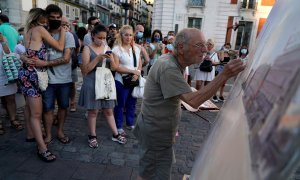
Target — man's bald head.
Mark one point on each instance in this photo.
(188, 34)
(139, 28)
(65, 23)
(189, 46)
(64, 19)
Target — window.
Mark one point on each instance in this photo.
(248, 4)
(67, 11)
(243, 34)
(195, 3)
(195, 23)
(76, 12)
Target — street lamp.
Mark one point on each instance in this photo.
(126, 6)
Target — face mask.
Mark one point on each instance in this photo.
(170, 47)
(54, 24)
(244, 51)
(156, 39)
(139, 35)
(21, 37)
(99, 42)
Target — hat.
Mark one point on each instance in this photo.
(112, 26)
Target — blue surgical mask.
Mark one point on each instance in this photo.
(170, 47)
(156, 39)
(244, 51)
(21, 37)
(139, 35)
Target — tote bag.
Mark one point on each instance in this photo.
(105, 87)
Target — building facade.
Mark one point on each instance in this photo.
(78, 11)
(235, 21)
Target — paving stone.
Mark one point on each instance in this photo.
(89, 171)
(70, 149)
(117, 161)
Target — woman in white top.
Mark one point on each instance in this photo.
(124, 51)
(206, 77)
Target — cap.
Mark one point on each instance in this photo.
(112, 26)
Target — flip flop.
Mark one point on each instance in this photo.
(64, 140)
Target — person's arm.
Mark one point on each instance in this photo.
(58, 45)
(4, 44)
(123, 70)
(195, 99)
(145, 56)
(87, 65)
(63, 60)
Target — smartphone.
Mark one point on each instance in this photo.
(108, 52)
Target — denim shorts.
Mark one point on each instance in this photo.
(59, 92)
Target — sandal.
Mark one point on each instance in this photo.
(119, 138)
(16, 125)
(46, 156)
(2, 131)
(93, 143)
(122, 132)
(64, 140)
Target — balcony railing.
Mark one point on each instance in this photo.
(196, 3)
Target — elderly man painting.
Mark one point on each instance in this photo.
(160, 112)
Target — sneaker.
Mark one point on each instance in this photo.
(122, 132)
(130, 127)
(221, 99)
(215, 99)
(119, 138)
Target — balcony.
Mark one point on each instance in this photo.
(196, 3)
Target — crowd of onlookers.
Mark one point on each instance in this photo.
(47, 43)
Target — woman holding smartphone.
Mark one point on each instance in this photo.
(92, 57)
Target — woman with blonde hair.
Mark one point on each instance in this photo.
(202, 77)
(128, 61)
(35, 38)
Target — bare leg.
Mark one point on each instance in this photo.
(206, 83)
(11, 106)
(109, 114)
(29, 131)
(35, 108)
(48, 121)
(92, 117)
(61, 116)
(222, 90)
(72, 97)
(198, 84)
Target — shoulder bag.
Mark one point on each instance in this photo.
(105, 87)
(127, 79)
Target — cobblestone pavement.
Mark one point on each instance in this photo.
(75, 161)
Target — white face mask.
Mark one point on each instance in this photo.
(100, 42)
(244, 51)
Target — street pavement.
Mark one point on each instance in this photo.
(76, 161)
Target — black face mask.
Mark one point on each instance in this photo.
(54, 24)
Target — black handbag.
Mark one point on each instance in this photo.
(206, 65)
(127, 79)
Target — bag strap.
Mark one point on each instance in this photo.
(104, 60)
(212, 55)
(134, 57)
